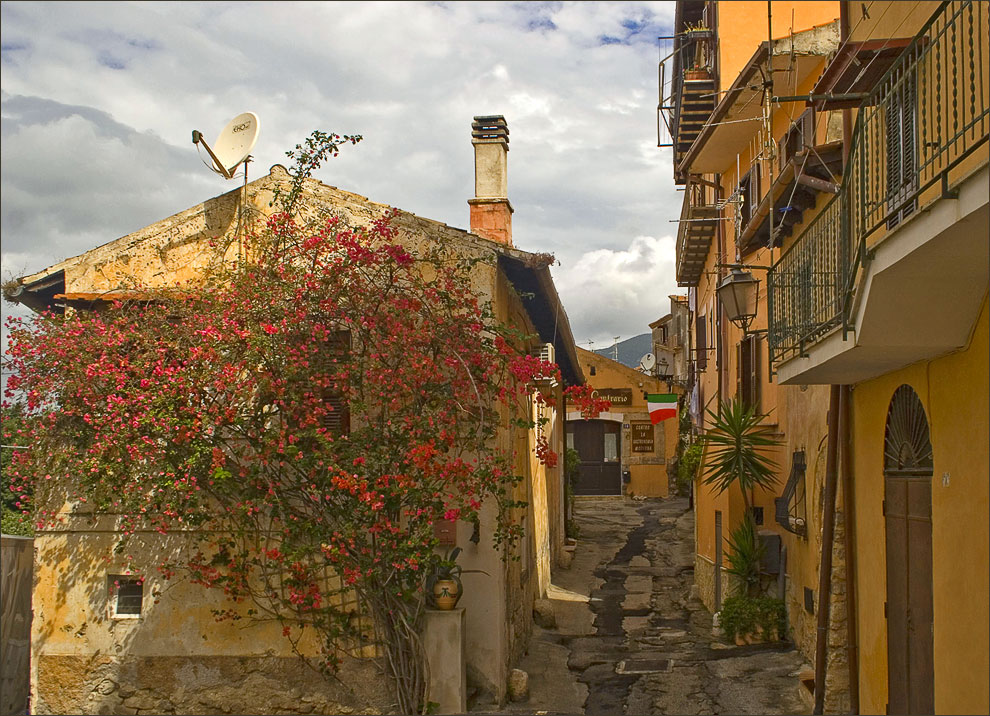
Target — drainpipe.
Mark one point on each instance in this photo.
(848, 503)
(828, 540)
(848, 498)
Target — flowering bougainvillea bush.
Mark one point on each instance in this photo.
(306, 415)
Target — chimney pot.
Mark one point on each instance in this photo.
(491, 212)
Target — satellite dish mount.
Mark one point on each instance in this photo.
(233, 147)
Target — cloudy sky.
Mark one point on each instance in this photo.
(98, 102)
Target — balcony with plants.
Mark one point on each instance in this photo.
(688, 81)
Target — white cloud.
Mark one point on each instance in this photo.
(98, 107)
(620, 292)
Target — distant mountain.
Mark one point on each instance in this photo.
(630, 350)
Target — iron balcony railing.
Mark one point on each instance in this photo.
(915, 136)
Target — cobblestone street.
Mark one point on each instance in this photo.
(631, 638)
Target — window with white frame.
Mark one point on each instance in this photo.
(125, 594)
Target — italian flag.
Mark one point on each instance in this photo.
(661, 406)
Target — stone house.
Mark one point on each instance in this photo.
(671, 342)
(99, 650)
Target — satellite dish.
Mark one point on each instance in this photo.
(234, 144)
(648, 361)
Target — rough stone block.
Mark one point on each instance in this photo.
(639, 584)
(518, 685)
(543, 614)
(637, 600)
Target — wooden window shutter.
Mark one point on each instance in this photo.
(807, 121)
(754, 371)
(338, 419)
(702, 357)
(748, 371)
(740, 383)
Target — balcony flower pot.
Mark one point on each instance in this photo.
(697, 74)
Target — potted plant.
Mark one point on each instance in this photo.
(697, 73)
(737, 443)
(443, 585)
(748, 620)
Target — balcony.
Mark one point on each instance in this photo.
(893, 270)
(695, 231)
(688, 87)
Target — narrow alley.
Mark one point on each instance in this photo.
(630, 636)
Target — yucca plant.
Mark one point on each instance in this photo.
(737, 442)
(745, 556)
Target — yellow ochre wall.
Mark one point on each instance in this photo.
(742, 26)
(648, 471)
(953, 390)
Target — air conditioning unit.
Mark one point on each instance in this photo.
(547, 354)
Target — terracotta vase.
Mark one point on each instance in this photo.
(446, 592)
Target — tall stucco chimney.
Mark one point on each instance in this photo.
(491, 212)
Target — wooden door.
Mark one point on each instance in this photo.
(597, 443)
(907, 512)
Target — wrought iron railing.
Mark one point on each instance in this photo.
(915, 136)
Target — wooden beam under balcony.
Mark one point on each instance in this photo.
(794, 191)
(695, 232)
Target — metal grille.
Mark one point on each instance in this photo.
(907, 442)
(790, 509)
(926, 115)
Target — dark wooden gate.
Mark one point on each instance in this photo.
(597, 443)
(907, 511)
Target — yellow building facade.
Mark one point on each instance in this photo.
(884, 293)
(635, 454)
(854, 189)
(730, 164)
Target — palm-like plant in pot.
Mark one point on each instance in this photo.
(737, 443)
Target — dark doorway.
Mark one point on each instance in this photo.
(907, 512)
(598, 445)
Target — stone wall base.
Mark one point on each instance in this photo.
(204, 685)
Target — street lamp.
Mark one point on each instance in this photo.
(738, 294)
(663, 372)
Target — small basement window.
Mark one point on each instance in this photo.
(125, 595)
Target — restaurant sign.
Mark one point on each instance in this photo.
(616, 396)
(642, 437)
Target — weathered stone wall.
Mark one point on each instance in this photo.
(704, 579)
(105, 684)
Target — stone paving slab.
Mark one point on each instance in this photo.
(642, 585)
(627, 598)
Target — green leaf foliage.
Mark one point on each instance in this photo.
(737, 443)
(763, 616)
(745, 555)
